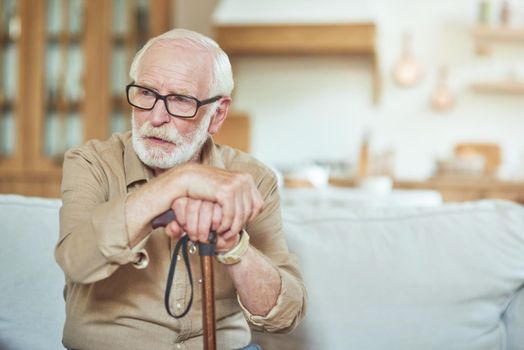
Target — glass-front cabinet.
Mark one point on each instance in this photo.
(9, 35)
(63, 70)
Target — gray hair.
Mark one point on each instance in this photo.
(222, 80)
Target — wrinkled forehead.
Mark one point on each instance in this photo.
(173, 62)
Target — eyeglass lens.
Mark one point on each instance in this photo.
(176, 104)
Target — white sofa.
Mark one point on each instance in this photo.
(447, 277)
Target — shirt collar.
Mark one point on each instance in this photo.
(211, 154)
(135, 170)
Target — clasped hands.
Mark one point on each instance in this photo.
(218, 200)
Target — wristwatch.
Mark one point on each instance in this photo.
(235, 254)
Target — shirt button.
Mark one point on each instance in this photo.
(178, 258)
(200, 280)
(178, 306)
(178, 346)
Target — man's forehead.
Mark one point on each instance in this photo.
(185, 51)
(176, 65)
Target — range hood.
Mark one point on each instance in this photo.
(298, 27)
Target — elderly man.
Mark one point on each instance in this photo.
(114, 262)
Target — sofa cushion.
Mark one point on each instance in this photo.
(432, 278)
(439, 278)
(32, 308)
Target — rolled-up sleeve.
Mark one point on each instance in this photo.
(288, 310)
(93, 237)
(267, 236)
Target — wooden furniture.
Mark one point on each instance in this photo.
(499, 87)
(71, 65)
(235, 132)
(489, 152)
(466, 189)
(458, 189)
(490, 34)
(346, 39)
(485, 36)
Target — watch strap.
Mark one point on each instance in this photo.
(235, 254)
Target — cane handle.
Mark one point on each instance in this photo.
(163, 219)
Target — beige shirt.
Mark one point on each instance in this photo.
(115, 294)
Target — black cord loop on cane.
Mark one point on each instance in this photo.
(205, 249)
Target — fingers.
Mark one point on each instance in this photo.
(241, 202)
(240, 213)
(258, 204)
(194, 217)
(179, 206)
(174, 230)
(228, 204)
(205, 220)
(225, 244)
(201, 218)
(215, 198)
(217, 217)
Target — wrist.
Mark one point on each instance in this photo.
(235, 254)
(229, 244)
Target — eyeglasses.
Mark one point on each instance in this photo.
(180, 106)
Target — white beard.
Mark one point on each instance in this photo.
(186, 147)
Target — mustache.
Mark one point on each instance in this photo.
(162, 133)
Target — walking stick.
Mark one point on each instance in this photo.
(206, 251)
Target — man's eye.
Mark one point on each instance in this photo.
(178, 99)
(146, 93)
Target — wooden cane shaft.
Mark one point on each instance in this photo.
(208, 302)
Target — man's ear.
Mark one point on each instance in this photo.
(219, 116)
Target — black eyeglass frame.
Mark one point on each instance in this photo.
(164, 98)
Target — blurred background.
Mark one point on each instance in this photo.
(382, 95)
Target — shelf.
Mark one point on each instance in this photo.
(486, 35)
(297, 39)
(6, 105)
(5, 39)
(503, 87)
(455, 189)
(61, 105)
(490, 33)
(65, 37)
(303, 39)
(124, 39)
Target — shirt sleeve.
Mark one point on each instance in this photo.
(93, 239)
(288, 311)
(267, 236)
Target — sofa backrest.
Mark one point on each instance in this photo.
(438, 278)
(448, 277)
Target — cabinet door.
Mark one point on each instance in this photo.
(133, 23)
(9, 52)
(63, 80)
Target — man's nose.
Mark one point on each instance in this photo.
(158, 114)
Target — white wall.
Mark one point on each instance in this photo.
(307, 108)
